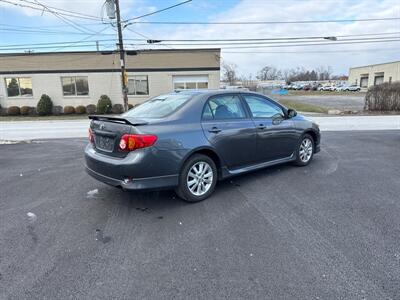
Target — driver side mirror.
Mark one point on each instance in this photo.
(291, 113)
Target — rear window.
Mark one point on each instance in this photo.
(158, 107)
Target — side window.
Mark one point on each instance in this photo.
(261, 108)
(207, 113)
(224, 107)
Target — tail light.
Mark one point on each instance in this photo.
(130, 142)
(91, 136)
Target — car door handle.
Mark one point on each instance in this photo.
(261, 126)
(214, 130)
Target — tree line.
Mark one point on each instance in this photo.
(230, 74)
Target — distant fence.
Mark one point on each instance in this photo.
(271, 91)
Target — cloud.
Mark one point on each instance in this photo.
(250, 10)
(88, 7)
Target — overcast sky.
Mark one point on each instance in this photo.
(13, 18)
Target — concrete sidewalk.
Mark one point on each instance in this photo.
(30, 130)
(350, 123)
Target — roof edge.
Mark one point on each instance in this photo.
(387, 63)
(143, 51)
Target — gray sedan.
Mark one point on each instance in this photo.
(188, 140)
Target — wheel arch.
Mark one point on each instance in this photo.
(313, 134)
(208, 151)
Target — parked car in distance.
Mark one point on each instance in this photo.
(188, 140)
(340, 87)
(353, 88)
(315, 86)
(326, 88)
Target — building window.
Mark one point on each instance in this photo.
(378, 79)
(138, 85)
(364, 82)
(75, 86)
(19, 86)
(190, 82)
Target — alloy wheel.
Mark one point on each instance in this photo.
(199, 178)
(306, 150)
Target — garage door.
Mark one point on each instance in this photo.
(190, 82)
(364, 82)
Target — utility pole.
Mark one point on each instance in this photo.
(124, 76)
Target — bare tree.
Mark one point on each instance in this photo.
(324, 73)
(229, 72)
(248, 82)
(269, 73)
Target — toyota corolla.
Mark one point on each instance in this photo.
(188, 140)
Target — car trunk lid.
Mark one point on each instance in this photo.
(107, 132)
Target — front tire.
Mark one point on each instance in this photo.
(197, 179)
(305, 150)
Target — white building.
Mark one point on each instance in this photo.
(80, 78)
(367, 76)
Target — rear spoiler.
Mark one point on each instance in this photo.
(118, 120)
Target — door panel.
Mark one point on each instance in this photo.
(275, 138)
(234, 140)
(276, 135)
(229, 129)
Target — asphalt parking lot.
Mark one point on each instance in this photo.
(327, 231)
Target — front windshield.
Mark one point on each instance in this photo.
(158, 107)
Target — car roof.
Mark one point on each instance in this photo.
(210, 92)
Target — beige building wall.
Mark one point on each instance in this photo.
(103, 74)
(389, 71)
(99, 84)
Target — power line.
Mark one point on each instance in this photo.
(224, 46)
(239, 47)
(52, 47)
(62, 10)
(49, 26)
(263, 22)
(41, 9)
(61, 17)
(328, 51)
(145, 36)
(43, 32)
(52, 43)
(285, 44)
(223, 43)
(82, 40)
(156, 12)
(312, 44)
(326, 37)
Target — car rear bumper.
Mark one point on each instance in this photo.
(140, 170)
(158, 182)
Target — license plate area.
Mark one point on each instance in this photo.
(104, 143)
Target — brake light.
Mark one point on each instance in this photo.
(91, 136)
(130, 142)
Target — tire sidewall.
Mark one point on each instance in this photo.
(183, 190)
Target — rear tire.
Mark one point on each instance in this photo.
(197, 179)
(305, 150)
